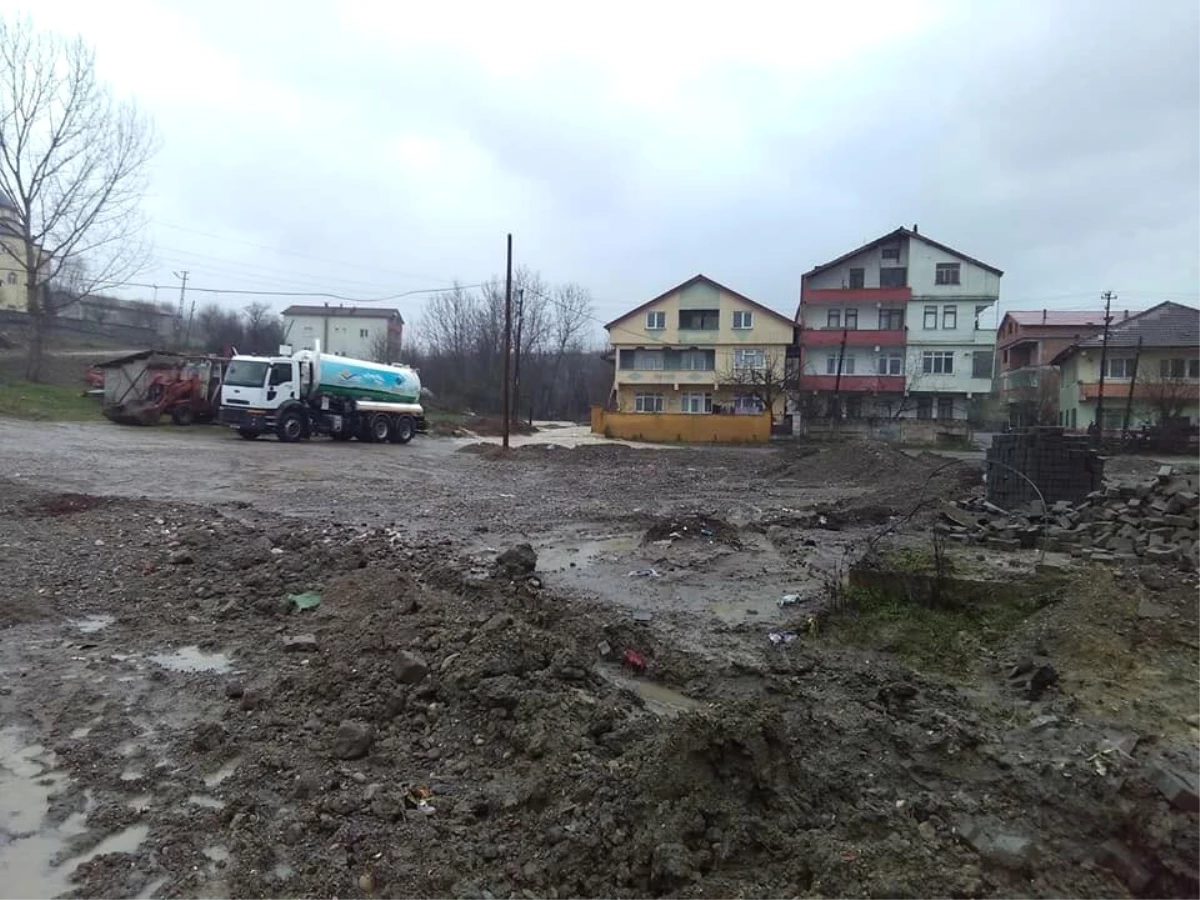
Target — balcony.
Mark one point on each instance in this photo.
(856, 295)
(854, 384)
(866, 337)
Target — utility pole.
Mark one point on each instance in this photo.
(1137, 361)
(516, 401)
(1108, 297)
(507, 339)
(183, 277)
(837, 382)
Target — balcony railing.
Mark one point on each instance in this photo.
(855, 337)
(889, 384)
(856, 295)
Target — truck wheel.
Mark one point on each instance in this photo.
(247, 434)
(403, 430)
(381, 428)
(182, 415)
(290, 427)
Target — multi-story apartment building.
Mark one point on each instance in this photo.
(891, 329)
(700, 347)
(358, 332)
(1026, 341)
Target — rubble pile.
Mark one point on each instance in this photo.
(1157, 519)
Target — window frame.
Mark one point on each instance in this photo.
(950, 312)
(686, 398)
(885, 364)
(1193, 368)
(1167, 368)
(858, 274)
(833, 320)
(933, 360)
(847, 315)
(656, 315)
(831, 364)
(748, 404)
(639, 355)
(891, 314)
(952, 272)
(942, 404)
(930, 311)
(747, 319)
(1126, 368)
(739, 357)
(657, 398)
(891, 270)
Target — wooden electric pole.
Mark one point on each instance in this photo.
(836, 410)
(516, 401)
(1108, 297)
(1137, 361)
(507, 340)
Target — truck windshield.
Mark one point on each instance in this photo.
(246, 373)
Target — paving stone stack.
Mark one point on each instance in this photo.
(1157, 519)
(1064, 467)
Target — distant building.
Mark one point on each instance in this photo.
(1026, 341)
(13, 281)
(358, 332)
(698, 348)
(1151, 372)
(891, 330)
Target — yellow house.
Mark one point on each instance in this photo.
(12, 251)
(699, 348)
(1151, 372)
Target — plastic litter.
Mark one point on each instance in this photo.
(634, 660)
(418, 798)
(645, 573)
(788, 600)
(782, 637)
(306, 600)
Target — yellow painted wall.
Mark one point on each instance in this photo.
(626, 394)
(691, 429)
(766, 329)
(1085, 367)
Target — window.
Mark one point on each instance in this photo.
(1194, 368)
(831, 365)
(924, 407)
(364, 332)
(890, 251)
(1171, 368)
(945, 409)
(854, 406)
(648, 359)
(749, 359)
(857, 279)
(949, 318)
(747, 404)
(699, 319)
(743, 319)
(656, 321)
(1118, 367)
(946, 273)
(979, 311)
(243, 373)
(930, 317)
(893, 277)
(891, 319)
(648, 403)
(1074, 418)
(891, 364)
(696, 403)
(851, 319)
(281, 373)
(834, 319)
(982, 364)
(696, 360)
(937, 362)
(12, 277)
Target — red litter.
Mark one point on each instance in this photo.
(635, 661)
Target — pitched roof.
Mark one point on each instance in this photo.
(696, 280)
(893, 235)
(1056, 317)
(1166, 325)
(350, 312)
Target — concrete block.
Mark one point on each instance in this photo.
(1178, 789)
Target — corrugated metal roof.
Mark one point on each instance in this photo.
(347, 312)
(1053, 317)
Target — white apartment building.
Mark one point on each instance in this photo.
(357, 332)
(892, 329)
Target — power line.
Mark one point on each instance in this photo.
(313, 294)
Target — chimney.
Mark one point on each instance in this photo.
(916, 230)
(1043, 317)
(1126, 316)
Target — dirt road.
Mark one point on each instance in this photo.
(635, 716)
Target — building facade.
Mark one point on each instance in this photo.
(891, 329)
(1026, 342)
(700, 348)
(361, 333)
(13, 280)
(1151, 372)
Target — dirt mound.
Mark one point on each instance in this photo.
(61, 505)
(692, 527)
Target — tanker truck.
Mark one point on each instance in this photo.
(297, 395)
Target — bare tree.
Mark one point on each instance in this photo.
(381, 348)
(1168, 392)
(264, 330)
(73, 166)
(768, 383)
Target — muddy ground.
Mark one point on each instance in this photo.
(171, 725)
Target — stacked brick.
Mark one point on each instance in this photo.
(1064, 467)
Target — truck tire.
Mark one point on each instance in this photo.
(182, 415)
(380, 427)
(403, 429)
(247, 434)
(290, 427)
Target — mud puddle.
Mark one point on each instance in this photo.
(36, 857)
(659, 699)
(193, 659)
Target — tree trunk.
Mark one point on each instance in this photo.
(37, 320)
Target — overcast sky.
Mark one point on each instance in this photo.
(369, 149)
